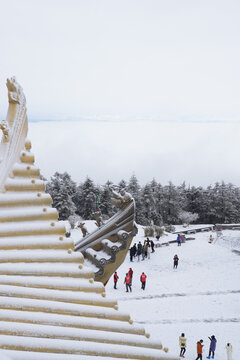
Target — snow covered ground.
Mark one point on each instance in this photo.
(201, 298)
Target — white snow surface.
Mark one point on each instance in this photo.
(3, 356)
(200, 298)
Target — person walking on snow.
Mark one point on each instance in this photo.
(229, 351)
(199, 349)
(115, 279)
(143, 279)
(127, 282)
(148, 251)
(182, 344)
(212, 347)
(135, 248)
(175, 261)
(139, 250)
(152, 246)
(130, 273)
(132, 253)
(144, 250)
(179, 240)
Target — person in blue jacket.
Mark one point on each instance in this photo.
(212, 347)
(179, 240)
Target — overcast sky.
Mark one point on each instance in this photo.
(159, 63)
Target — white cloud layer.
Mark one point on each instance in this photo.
(199, 154)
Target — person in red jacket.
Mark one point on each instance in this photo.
(115, 279)
(199, 349)
(143, 278)
(130, 272)
(127, 282)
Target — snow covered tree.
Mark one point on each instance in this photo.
(232, 204)
(171, 204)
(148, 205)
(224, 204)
(134, 189)
(187, 217)
(155, 204)
(194, 197)
(122, 184)
(85, 199)
(182, 196)
(133, 186)
(106, 207)
(157, 195)
(62, 188)
(73, 220)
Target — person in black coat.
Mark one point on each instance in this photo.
(175, 261)
(133, 251)
(152, 246)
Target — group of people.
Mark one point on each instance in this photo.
(128, 280)
(138, 250)
(212, 347)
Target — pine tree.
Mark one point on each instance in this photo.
(156, 216)
(85, 199)
(134, 189)
(62, 188)
(193, 198)
(182, 190)
(106, 207)
(147, 200)
(224, 204)
(122, 184)
(154, 203)
(171, 204)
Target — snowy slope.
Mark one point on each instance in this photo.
(200, 298)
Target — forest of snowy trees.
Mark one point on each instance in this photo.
(155, 204)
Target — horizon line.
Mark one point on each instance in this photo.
(192, 121)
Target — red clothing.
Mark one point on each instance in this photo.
(115, 278)
(128, 279)
(130, 272)
(143, 278)
(199, 347)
